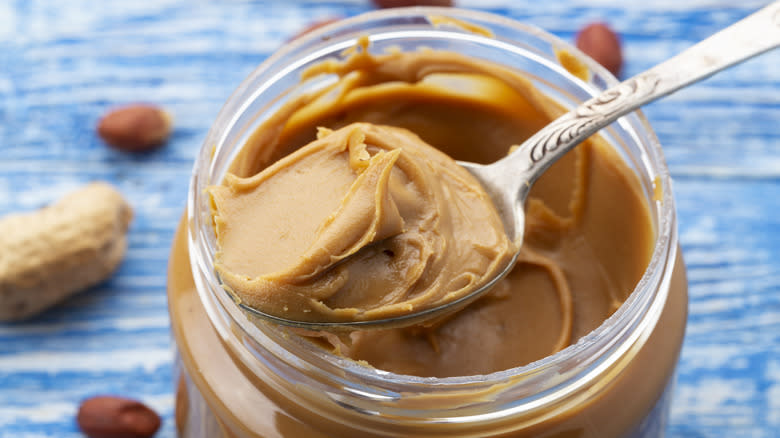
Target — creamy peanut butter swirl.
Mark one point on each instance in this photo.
(578, 263)
(366, 222)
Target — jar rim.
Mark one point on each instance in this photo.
(641, 307)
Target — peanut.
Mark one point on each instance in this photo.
(52, 253)
(602, 44)
(135, 128)
(117, 417)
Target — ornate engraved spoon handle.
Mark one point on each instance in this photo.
(752, 36)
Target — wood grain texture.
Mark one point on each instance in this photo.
(62, 64)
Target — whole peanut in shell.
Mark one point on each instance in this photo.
(52, 253)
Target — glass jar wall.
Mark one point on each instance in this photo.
(239, 377)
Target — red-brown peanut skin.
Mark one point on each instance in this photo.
(117, 417)
(135, 128)
(602, 44)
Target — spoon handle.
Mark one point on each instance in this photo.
(745, 39)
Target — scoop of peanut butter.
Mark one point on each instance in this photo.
(366, 222)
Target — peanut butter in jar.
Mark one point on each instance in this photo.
(588, 324)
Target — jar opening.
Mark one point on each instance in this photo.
(523, 388)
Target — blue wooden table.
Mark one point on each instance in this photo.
(62, 64)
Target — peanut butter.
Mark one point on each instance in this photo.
(367, 222)
(588, 240)
(574, 270)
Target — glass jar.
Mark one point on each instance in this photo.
(239, 377)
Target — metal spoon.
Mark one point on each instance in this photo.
(509, 180)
